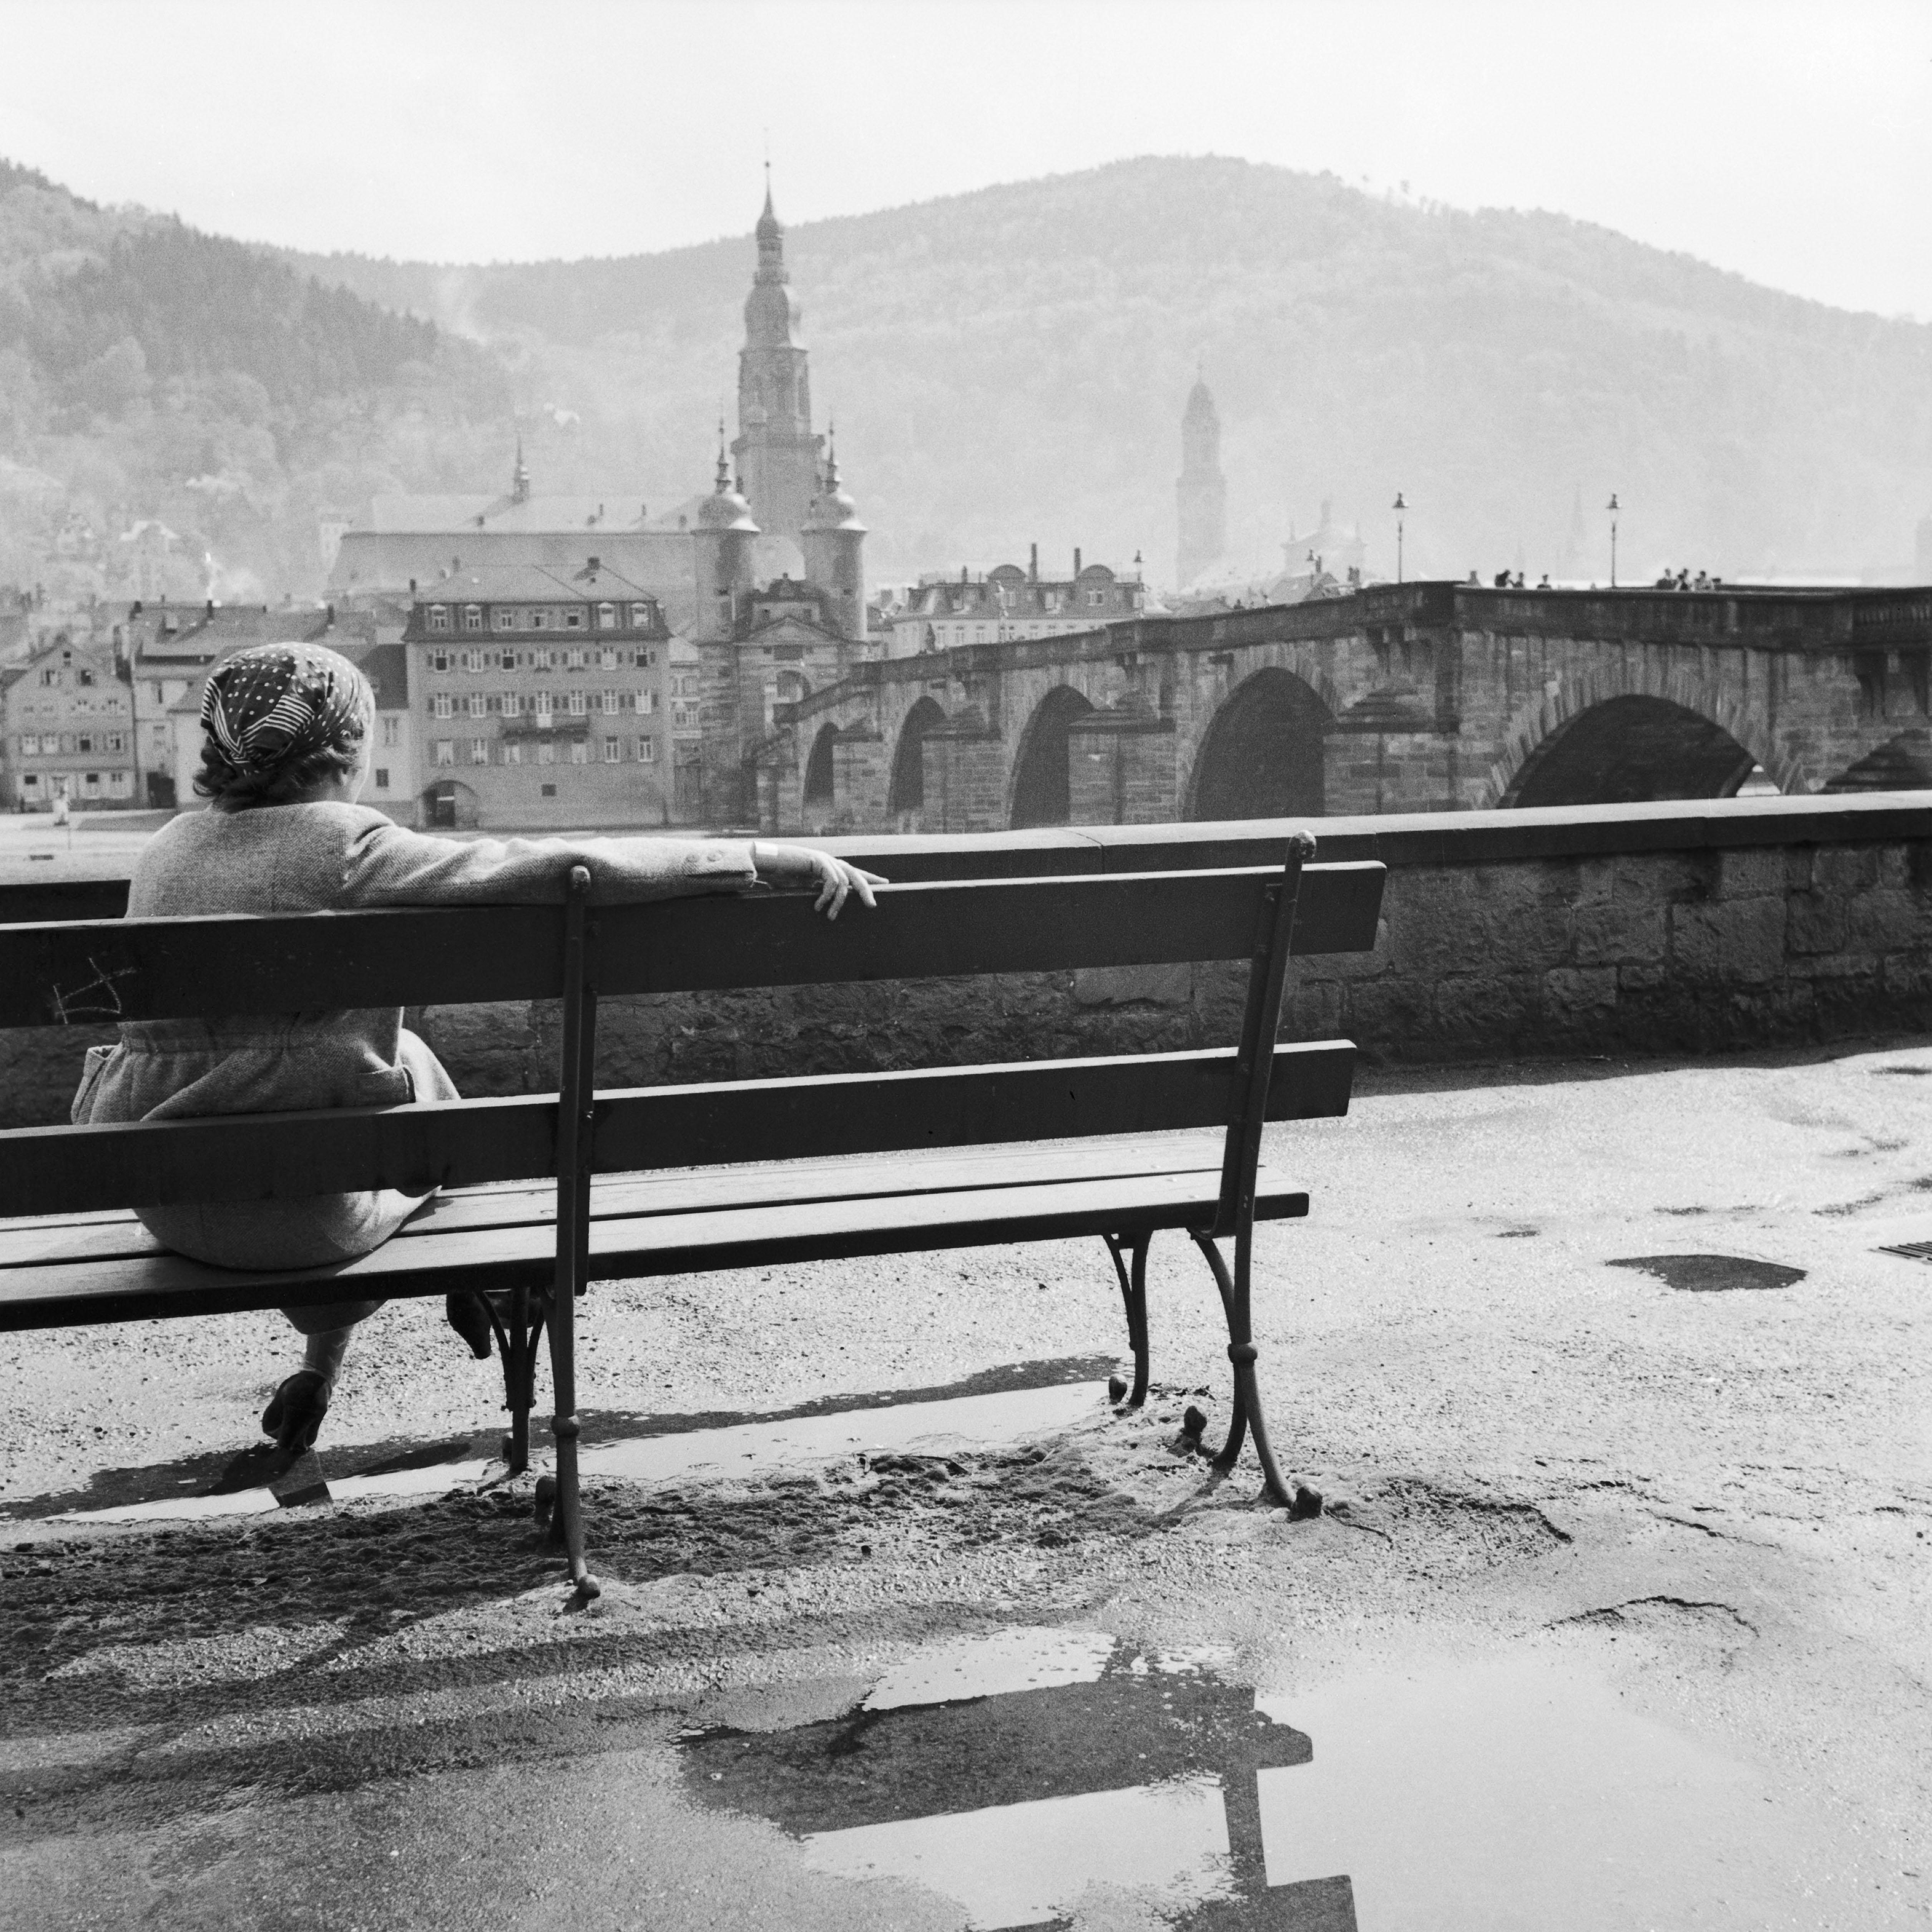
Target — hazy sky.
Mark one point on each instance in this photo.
(1792, 142)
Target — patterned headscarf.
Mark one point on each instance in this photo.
(274, 704)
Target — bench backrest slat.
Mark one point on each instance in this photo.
(461, 1143)
(86, 973)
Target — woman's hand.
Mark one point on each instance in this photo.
(801, 865)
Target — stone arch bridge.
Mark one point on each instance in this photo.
(1411, 698)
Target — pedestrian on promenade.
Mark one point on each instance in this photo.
(286, 752)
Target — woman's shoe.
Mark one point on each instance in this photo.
(294, 1411)
(466, 1314)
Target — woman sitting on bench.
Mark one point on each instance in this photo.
(287, 753)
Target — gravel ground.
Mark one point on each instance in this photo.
(1714, 1502)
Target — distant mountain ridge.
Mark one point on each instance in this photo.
(1003, 368)
(1009, 365)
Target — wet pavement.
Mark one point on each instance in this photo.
(1618, 1618)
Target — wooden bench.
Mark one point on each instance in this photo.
(539, 1194)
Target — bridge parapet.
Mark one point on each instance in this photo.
(1662, 928)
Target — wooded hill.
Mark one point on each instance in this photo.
(1010, 365)
(154, 370)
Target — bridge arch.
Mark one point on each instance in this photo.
(906, 791)
(1041, 787)
(818, 768)
(1614, 736)
(1630, 749)
(1903, 763)
(1262, 755)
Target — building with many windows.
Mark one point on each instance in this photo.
(66, 729)
(1009, 602)
(540, 698)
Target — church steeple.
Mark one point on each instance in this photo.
(520, 477)
(777, 453)
(1200, 495)
(771, 235)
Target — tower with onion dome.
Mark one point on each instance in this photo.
(834, 542)
(776, 453)
(722, 544)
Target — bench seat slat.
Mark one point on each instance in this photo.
(88, 972)
(270, 1157)
(36, 1243)
(622, 1247)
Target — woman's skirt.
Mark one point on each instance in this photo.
(317, 1231)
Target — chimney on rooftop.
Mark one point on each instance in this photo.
(412, 586)
(211, 610)
(1076, 561)
(1032, 564)
(593, 566)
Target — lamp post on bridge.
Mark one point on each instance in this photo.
(1400, 508)
(1612, 507)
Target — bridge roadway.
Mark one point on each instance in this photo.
(1401, 697)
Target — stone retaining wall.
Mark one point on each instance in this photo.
(1690, 927)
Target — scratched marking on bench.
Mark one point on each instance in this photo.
(99, 999)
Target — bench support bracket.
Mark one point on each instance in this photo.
(1129, 1252)
(518, 1320)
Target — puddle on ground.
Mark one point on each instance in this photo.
(1043, 1765)
(1051, 1773)
(1711, 1274)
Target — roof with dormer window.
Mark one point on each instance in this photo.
(531, 584)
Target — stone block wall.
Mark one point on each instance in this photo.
(1649, 953)
(1662, 929)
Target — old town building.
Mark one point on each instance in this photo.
(757, 592)
(541, 698)
(1009, 602)
(801, 523)
(66, 730)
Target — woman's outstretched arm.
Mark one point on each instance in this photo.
(385, 864)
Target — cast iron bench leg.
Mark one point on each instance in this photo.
(1261, 1027)
(1132, 1269)
(566, 1523)
(576, 1120)
(1247, 1416)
